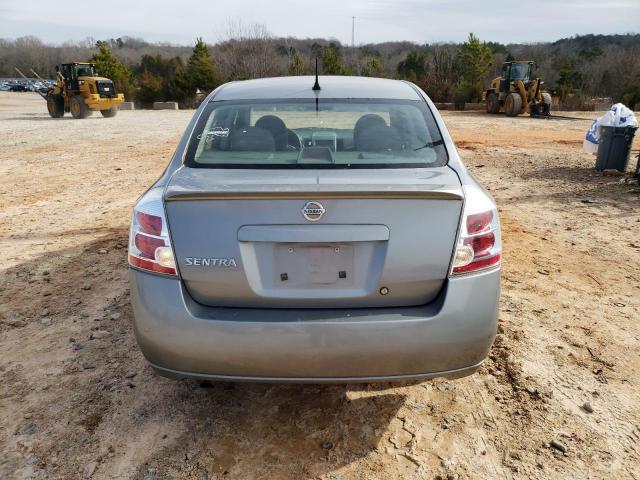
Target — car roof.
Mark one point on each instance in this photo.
(330, 87)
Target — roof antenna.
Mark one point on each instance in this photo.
(316, 86)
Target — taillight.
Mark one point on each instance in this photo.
(149, 223)
(479, 245)
(149, 244)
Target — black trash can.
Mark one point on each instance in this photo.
(614, 147)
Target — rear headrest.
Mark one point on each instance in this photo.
(277, 127)
(364, 122)
(271, 123)
(252, 139)
(378, 138)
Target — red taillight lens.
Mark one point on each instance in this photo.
(481, 244)
(479, 222)
(149, 243)
(151, 224)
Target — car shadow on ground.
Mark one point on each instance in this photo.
(270, 431)
(107, 399)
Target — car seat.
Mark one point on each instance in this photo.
(252, 139)
(371, 133)
(282, 136)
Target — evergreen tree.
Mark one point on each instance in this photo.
(373, 68)
(631, 97)
(413, 67)
(332, 61)
(475, 60)
(150, 88)
(179, 86)
(110, 67)
(202, 73)
(296, 67)
(160, 79)
(569, 77)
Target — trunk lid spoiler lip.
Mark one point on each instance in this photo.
(187, 185)
(346, 191)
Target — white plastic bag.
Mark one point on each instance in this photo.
(618, 116)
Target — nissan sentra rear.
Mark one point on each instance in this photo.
(315, 235)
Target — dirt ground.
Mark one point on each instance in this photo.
(77, 399)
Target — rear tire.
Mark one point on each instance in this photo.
(109, 113)
(55, 106)
(78, 107)
(513, 105)
(493, 104)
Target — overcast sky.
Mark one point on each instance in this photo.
(376, 20)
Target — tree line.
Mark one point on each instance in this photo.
(573, 68)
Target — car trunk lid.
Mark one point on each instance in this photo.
(252, 238)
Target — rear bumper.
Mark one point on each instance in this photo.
(451, 336)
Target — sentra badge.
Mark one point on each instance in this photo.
(210, 262)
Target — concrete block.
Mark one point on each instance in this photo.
(474, 106)
(165, 105)
(126, 106)
(601, 107)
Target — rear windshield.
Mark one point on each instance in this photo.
(305, 133)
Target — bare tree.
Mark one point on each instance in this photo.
(248, 51)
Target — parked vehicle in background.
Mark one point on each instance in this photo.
(18, 87)
(315, 235)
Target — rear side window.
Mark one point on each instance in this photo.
(305, 133)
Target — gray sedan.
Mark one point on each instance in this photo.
(315, 235)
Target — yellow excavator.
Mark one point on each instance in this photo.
(515, 91)
(81, 91)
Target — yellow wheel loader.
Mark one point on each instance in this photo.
(515, 91)
(81, 91)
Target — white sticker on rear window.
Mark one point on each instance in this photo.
(215, 132)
